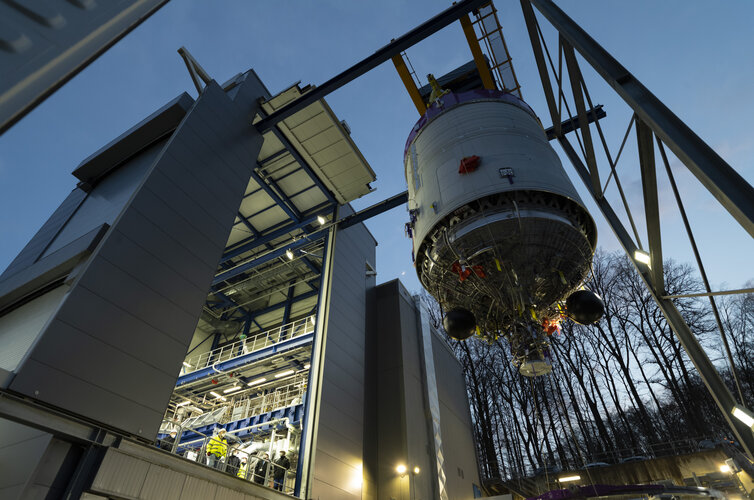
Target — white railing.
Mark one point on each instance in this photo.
(282, 397)
(269, 474)
(248, 345)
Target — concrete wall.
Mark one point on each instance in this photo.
(338, 457)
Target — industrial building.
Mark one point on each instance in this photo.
(203, 276)
(200, 317)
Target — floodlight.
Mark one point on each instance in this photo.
(743, 415)
(642, 257)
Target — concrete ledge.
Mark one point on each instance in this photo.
(136, 471)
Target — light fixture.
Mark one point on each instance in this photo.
(183, 403)
(285, 373)
(642, 256)
(311, 318)
(321, 220)
(256, 382)
(213, 393)
(568, 479)
(187, 365)
(232, 389)
(307, 366)
(289, 254)
(725, 469)
(400, 469)
(417, 470)
(743, 415)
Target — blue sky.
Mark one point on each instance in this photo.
(697, 57)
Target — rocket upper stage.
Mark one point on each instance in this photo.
(498, 228)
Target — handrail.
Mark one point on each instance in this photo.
(221, 463)
(248, 345)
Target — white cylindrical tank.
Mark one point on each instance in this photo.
(497, 226)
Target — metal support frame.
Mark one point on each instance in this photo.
(408, 82)
(476, 51)
(376, 209)
(299, 159)
(644, 139)
(278, 197)
(196, 72)
(725, 184)
(252, 243)
(288, 302)
(416, 35)
(574, 74)
(653, 118)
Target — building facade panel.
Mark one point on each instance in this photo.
(161, 305)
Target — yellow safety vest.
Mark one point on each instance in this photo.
(241, 471)
(217, 446)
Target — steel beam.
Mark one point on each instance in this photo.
(645, 141)
(267, 238)
(539, 58)
(288, 302)
(300, 160)
(273, 254)
(408, 82)
(725, 184)
(476, 52)
(594, 114)
(290, 211)
(376, 209)
(688, 340)
(400, 44)
(574, 73)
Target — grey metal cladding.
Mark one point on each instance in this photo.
(149, 130)
(43, 44)
(45, 235)
(342, 400)
(106, 201)
(451, 386)
(123, 374)
(49, 269)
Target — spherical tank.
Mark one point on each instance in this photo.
(497, 226)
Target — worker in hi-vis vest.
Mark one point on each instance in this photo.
(217, 447)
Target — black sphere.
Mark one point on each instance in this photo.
(585, 307)
(459, 323)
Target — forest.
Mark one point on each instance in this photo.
(621, 388)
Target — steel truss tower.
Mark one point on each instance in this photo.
(654, 123)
